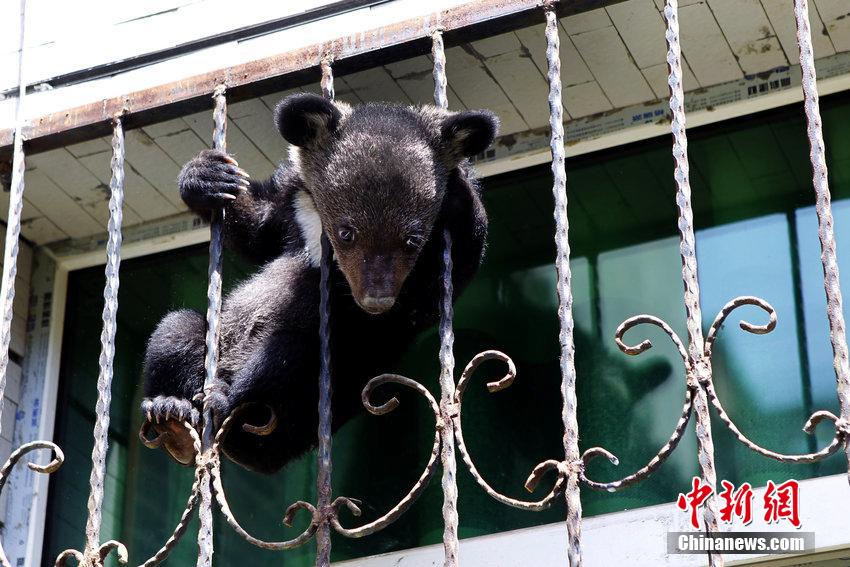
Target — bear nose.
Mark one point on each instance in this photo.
(375, 305)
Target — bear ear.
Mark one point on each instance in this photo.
(306, 119)
(469, 133)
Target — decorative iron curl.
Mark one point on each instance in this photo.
(95, 559)
(17, 455)
(748, 327)
(424, 479)
(840, 427)
(194, 493)
(650, 467)
(646, 344)
(200, 470)
(212, 463)
(681, 425)
(696, 379)
(563, 469)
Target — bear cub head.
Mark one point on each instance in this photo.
(377, 175)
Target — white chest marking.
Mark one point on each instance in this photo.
(311, 226)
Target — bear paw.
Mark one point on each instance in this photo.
(211, 180)
(168, 416)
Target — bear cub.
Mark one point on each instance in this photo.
(381, 181)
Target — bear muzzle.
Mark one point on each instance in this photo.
(375, 305)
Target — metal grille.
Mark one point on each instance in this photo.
(700, 394)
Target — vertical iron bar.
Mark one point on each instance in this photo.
(107, 342)
(699, 367)
(438, 52)
(324, 488)
(13, 223)
(817, 154)
(447, 339)
(565, 297)
(205, 531)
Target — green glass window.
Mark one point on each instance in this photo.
(756, 235)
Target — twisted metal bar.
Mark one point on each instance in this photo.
(107, 343)
(323, 454)
(699, 369)
(539, 470)
(324, 488)
(13, 220)
(438, 53)
(826, 234)
(447, 339)
(10, 256)
(211, 384)
(327, 82)
(565, 297)
(424, 479)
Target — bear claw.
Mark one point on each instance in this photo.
(168, 417)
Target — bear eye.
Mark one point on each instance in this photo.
(345, 233)
(413, 243)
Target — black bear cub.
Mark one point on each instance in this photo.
(381, 181)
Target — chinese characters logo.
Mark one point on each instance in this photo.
(780, 502)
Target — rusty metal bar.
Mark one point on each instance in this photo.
(10, 268)
(447, 358)
(569, 414)
(205, 460)
(407, 38)
(13, 222)
(699, 365)
(107, 341)
(324, 489)
(826, 234)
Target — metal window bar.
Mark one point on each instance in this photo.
(447, 339)
(10, 270)
(570, 472)
(829, 260)
(94, 554)
(324, 489)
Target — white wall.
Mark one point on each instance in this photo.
(62, 37)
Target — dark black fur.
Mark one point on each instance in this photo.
(392, 176)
